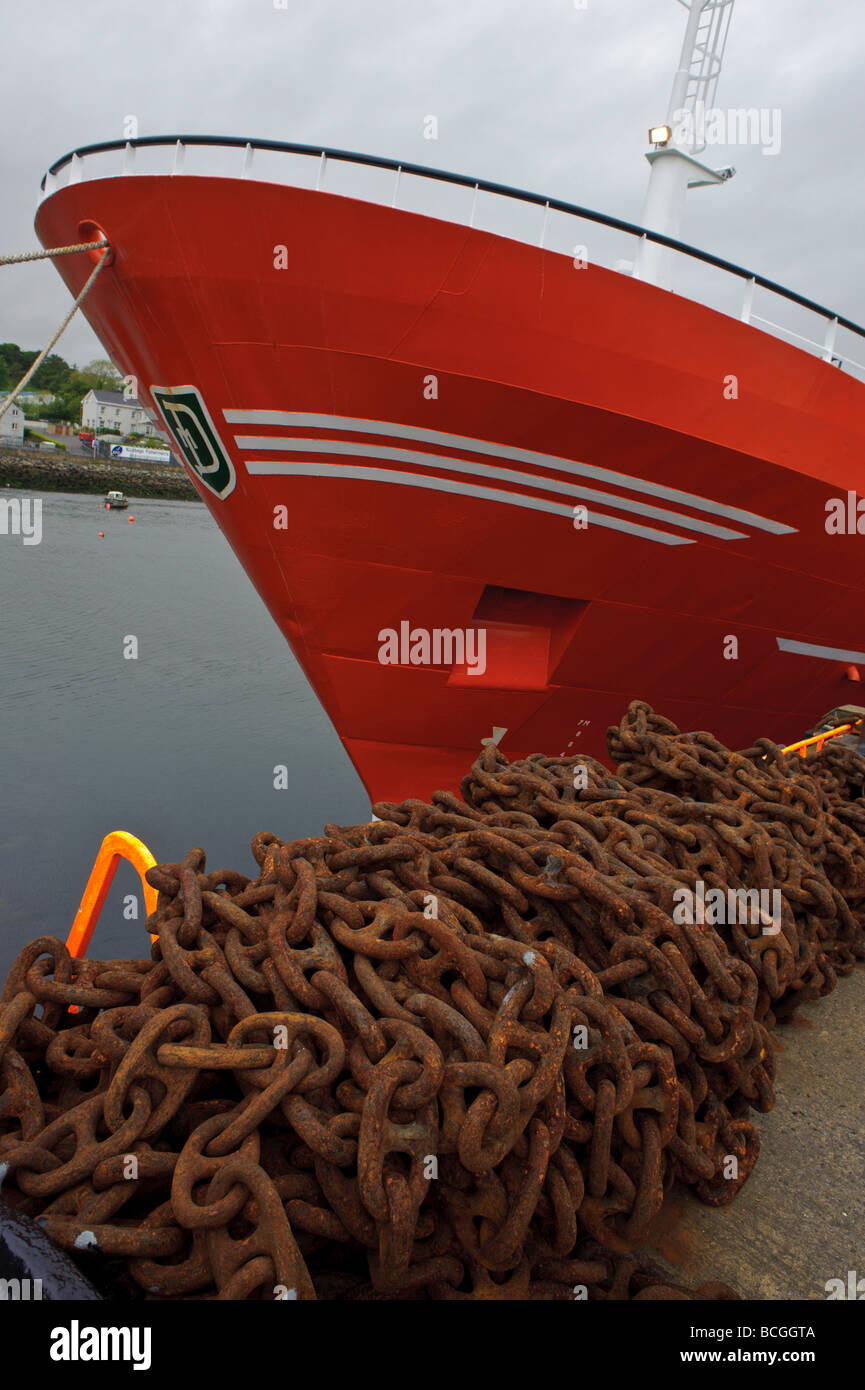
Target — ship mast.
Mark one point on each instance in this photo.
(675, 145)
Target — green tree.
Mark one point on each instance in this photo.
(68, 384)
(103, 375)
(52, 374)
(15, 362)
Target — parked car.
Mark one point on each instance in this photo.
(86, 436)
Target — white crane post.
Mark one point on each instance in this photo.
(674, 167)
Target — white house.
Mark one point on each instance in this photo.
(11, 424)
(110, 410)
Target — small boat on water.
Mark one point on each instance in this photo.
(116, 499)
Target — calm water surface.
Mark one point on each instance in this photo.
(178, 746)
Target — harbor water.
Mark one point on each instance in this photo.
(180, 744)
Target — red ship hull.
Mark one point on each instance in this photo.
(429, 403)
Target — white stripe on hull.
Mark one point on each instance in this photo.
(313, 469)
(785, 644)
(357, 450)
(303, 420)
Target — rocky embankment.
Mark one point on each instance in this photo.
(38, 472)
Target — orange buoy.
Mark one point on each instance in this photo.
(130, 518)
(102, 533)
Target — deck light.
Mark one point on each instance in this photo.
(660, 135)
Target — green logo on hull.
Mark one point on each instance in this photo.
(194, 433)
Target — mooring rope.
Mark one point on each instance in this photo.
(41, 255)
(52, 251)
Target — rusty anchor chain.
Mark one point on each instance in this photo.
(458, 1053)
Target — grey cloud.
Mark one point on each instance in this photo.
(540, 95)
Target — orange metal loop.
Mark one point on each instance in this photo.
(116, 846)
(819, 739)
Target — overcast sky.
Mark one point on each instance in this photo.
(536, 93)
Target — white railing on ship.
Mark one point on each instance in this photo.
(73, 164)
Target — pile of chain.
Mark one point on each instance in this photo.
(460, 1052)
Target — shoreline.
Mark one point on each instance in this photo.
(28, 471)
